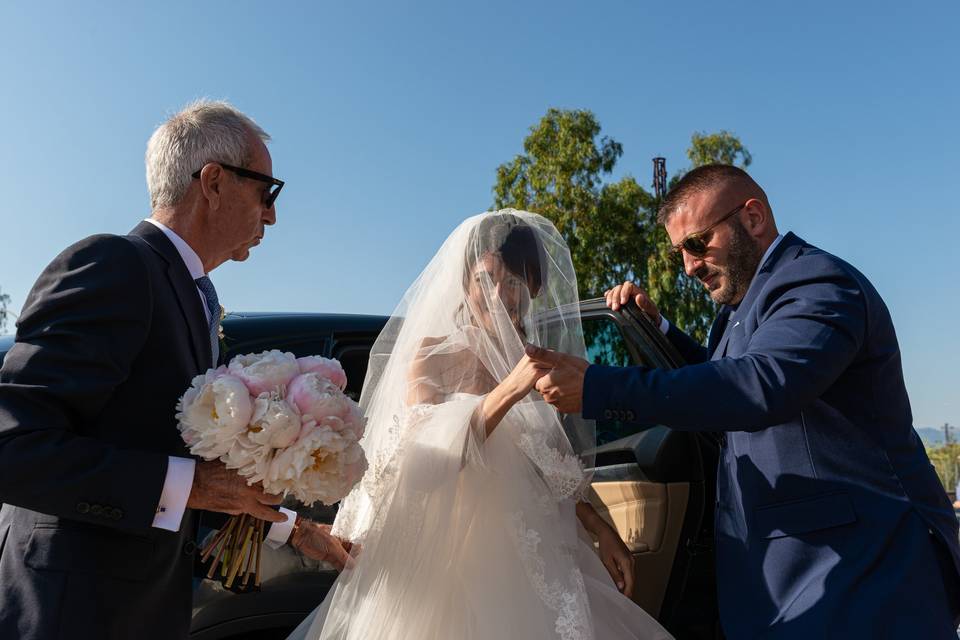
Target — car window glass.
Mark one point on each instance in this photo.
(607, 345)
(605, 342)
(305, 348)
(353, 359)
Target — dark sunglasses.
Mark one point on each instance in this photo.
(696, 243)
(253, 175)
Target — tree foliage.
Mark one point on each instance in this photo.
(610, 226)
(713, 148)
(945, 459)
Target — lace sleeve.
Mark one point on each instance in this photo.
(547, 448)
(357, 510)
(428, 443)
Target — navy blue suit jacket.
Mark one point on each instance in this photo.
(830, 519)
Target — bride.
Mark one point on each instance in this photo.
(469, 517)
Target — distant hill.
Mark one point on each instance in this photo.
(934, 435)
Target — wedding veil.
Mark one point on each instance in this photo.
(500, 280)
(467, 530)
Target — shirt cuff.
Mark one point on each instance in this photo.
(664, 325)
(175, 494)
(280, 531)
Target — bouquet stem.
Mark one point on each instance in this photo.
(236, 551)
(256, 575)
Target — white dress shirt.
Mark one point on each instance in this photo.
(665, 324)
(179, 478)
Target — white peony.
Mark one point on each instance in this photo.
(213, 411)
(275, 424)
(323, 465)
(247, 457)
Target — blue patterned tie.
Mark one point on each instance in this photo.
(213, 305)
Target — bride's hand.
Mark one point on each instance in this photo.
(314, 540)
(509, 392)
(522, 379)
(616, 558)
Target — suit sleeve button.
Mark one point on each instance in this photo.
(96, 510)
(607, 414)
(630, 416)
(83, 507)
(117, 514)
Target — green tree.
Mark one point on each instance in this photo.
(714, 148)
(945, 459)
(610, 226)
(560, 176)
(4, 304)
(680, 298)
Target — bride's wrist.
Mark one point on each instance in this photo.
(507, 394)
(590, 519)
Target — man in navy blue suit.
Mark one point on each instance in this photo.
(830, 520)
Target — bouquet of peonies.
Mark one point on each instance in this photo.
(278, 420)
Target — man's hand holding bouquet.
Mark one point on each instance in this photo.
(284, 427)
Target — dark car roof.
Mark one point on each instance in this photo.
(284, 321)
(244, 326)
(249, 332)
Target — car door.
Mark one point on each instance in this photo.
(654, 484)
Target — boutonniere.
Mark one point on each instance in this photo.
(221, 336)
(223, 314)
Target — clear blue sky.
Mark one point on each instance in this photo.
(390, 118)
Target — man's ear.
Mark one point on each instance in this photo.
(211, 184)
(756, 217)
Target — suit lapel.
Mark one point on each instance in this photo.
(718, 330)
(786, 250)
(185, 290)
(720, 349)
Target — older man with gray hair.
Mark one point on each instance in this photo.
(100, 496)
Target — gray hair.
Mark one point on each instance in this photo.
(204, 131)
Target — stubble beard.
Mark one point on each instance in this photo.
(744, 257)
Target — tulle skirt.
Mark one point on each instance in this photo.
(476, 550)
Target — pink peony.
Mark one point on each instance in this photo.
(265, 372)
(318, 397)
(325, 368)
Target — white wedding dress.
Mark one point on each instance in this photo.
(464, 536)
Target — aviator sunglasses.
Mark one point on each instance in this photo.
(696, 243)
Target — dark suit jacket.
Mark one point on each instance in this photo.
(829, 515)
(110, 337)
